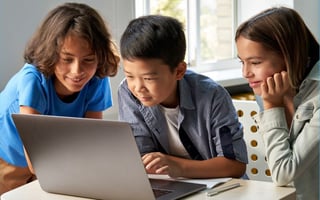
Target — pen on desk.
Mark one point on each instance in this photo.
(222, 189)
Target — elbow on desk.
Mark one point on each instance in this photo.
(240, 170)
(283, 172)
(281, 180)
(279, 183)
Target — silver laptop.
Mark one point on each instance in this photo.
(91, 158)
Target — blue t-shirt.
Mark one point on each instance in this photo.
(30, 88)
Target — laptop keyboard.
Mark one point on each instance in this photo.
(159, 192)
(160, 187)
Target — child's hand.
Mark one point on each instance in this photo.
(155, 163)
(274, 89)
(159, 163)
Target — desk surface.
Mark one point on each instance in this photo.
(248, 190)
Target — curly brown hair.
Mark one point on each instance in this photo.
(80, 19)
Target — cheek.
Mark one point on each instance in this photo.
(266, 74)
(58, 70)
(92, 71)
(267, 71)
(61, 68)
(270, 73)
(133, 87)
(90, 68)
(89, 71)
(154, 89)
(160, 90)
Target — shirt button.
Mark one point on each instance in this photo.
(297, 116)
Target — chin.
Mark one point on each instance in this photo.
(75, 89)
(257, 92)
(148, 104)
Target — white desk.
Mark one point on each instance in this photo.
(249, 190)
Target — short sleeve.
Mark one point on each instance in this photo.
(31, 92)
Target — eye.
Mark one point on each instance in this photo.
(129, 77)
(149, 79)
(67, 60)
(256, 62)
(89, 60)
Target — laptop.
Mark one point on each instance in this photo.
(91, 158)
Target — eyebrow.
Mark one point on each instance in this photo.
(144, 74)
(70, 54)
(250, 58)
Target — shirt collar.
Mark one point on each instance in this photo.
(186, 100)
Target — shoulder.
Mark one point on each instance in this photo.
(314, 74)
(200, 90)
(201, 82)
(123, 87)
(29, 74)
(30, 69)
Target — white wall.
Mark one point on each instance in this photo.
(308, 9)
(19, 19)
(310, 12)
(248, 8)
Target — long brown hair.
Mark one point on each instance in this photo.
(80, 19)
(283, 31)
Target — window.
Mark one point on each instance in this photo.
(209, 28)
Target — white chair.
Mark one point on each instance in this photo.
(257, 168)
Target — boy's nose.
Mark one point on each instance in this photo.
(139, 86)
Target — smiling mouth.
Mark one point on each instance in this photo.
(76, 79)
(254, 84)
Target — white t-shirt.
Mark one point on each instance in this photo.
(175, 145)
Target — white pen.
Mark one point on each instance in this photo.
(222, 189)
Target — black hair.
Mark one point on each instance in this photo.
(154, 37)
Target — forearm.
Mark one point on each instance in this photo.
(29, 162)
(212, 168)
(94, 115)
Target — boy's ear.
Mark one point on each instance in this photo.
(181, 70)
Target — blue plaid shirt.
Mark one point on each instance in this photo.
(206, 114)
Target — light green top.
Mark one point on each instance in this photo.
(293, 155)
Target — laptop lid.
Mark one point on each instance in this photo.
(90, 158)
